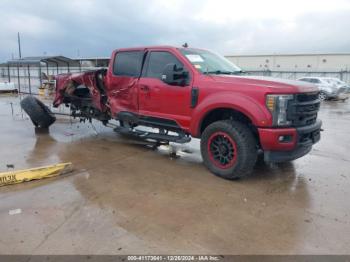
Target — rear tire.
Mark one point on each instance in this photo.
(229, 149)
(40, 114)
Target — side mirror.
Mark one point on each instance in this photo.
(172, 75)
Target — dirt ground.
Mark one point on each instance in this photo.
(125, 198)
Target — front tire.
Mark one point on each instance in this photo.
(229, 149)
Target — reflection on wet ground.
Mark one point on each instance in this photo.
(125, 197)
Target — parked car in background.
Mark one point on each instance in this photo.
(341, 83)
(330, 88)
(6, 87)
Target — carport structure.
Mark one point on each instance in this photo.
(60, 64)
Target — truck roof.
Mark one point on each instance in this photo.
(156, 47)
(146, 47)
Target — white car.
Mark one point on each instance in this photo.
(7, 87)
(341, 83)
(330, 88)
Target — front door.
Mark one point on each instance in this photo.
(158, 99)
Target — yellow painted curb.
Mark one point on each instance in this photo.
(14, 177)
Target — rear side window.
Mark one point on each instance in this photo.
(128, 63)
(157, 61)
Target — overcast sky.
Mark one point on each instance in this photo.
(95, 28)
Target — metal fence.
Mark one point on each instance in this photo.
(342, 75)
(27, 80)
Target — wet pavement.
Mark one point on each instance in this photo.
(125, 198)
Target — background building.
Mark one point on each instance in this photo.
(295, 65)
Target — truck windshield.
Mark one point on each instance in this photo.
(210, 63)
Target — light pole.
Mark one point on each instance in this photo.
(19, 45)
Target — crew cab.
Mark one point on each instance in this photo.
(186, 93)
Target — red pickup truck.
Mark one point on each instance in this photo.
(187, 92)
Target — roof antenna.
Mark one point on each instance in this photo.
(185, 45)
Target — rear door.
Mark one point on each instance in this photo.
(158, 99)
(123, 77)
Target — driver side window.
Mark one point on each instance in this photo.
(157, 60)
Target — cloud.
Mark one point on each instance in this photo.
(95, 28)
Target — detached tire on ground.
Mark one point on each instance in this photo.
(40, 114)
(229, 149)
